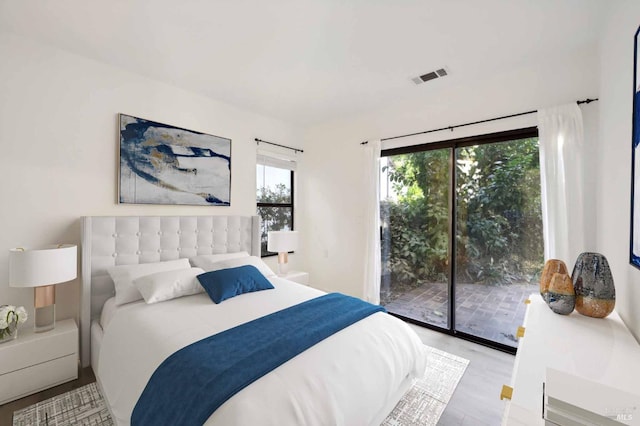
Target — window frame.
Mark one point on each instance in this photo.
(453, 144)
(279, 205)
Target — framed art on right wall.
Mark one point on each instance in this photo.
(635, 167)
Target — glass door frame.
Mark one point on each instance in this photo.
(452, 145)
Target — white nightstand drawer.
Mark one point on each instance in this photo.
(37, 361)
(26, 381)
(35, 348)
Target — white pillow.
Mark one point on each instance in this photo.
(123, 276)
(203, 261)
(234, 263)
(169, 285)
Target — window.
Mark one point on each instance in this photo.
(274, 197)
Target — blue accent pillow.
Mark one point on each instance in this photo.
(224, 284)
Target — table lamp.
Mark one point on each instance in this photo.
(282, 242)
(41, 268)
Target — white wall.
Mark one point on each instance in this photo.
(332, 196)
(58, 127)
(58, 123)
(614, 154)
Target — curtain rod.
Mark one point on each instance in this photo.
(277, 144)
(586, 101)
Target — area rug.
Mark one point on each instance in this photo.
(422, 405)
(83, 406)
(425, 402)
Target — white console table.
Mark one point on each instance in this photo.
(599, 350)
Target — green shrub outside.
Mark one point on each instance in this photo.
(498, 223)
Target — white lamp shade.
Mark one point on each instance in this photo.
(282, 241)
(42, 266)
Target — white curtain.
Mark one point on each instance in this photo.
(372, 222)
(561, 136)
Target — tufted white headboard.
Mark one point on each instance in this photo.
(126, 240)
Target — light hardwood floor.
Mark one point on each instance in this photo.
(475, 402)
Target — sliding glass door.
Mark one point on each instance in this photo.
(480, 200)
(416, 246)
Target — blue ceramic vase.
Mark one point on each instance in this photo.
(593, 284)
(561, 296)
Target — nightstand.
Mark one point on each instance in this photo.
(297, 276)
(37, 361)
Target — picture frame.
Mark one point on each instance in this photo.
(635, 158)
(164, 164)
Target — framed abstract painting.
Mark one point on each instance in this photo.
(163, 164)
(635, 166)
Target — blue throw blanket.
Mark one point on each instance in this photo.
(193, 382)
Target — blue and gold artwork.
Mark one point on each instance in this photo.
(162, 164)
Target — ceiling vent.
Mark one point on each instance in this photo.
(430, 76)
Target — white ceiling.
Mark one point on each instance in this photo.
(310, 61)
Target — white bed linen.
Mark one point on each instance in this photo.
(108, 311)
(344, 380)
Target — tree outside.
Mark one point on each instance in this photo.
(498, 222)
(274, 218)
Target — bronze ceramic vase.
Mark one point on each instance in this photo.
(561, 296)
(552, 266)
(593, 284)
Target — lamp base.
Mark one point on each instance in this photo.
(45, 305)
(45, 318)
(283, 264)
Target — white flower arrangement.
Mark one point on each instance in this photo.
(10, 318)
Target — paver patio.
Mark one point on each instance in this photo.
(493, 312)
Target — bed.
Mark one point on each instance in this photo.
(354, 377)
